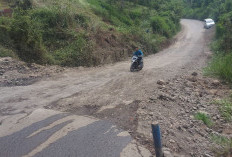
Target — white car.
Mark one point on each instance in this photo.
(208, 23)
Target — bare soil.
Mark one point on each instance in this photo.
(17, 73)
(134, 100)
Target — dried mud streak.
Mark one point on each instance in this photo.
(124, 116)
(137, 147)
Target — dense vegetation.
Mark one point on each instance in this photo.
(75, 32)
(221, 12)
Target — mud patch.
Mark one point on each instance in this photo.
(124, 116)
(6, 111)
(84, 110)
(20, 82)
(13, 100)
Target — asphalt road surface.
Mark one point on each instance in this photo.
(47, 133)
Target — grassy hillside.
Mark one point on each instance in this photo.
(86, 32)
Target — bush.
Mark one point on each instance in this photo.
(221, 66)
(111, 13)
(53, 23)
(159, 25)
(35, 34)
(225, 146)
(225, 109)
(134, 14)
(81, 20)
(27, 39)
(23, 34)
(52, 17)
(77, 53)
(6, 52)
(23, 4)
(224, 32)
(4, 31)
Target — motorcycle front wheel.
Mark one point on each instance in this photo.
(132, 68)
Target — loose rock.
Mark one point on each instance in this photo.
(215, 83)
(192, 79)
(161, 82)
(194, 73)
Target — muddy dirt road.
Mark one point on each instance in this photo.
(111, 90)
(110, 85)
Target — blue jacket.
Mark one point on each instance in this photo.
(138, 53)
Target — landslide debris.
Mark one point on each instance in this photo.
(175, 103)
(17, 73)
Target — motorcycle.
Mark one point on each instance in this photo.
(135, 66)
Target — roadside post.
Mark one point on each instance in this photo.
(157, 139)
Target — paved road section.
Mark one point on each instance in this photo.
(47, 133)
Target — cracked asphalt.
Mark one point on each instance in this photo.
(44, 133)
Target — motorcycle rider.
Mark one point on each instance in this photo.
(139, 54)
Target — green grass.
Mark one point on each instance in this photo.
(37, 34)
(225, 108)
(224, 143)
(64, 32)
(221, 67)
(4, 52)
(113, 14)
(204, 118)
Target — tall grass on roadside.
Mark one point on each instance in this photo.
(4, 52)
(225, 108)
(225, 146)
(221, 67)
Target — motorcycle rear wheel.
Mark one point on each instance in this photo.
(141, 66)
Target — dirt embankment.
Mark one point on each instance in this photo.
(175, 103)
(18, 73)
